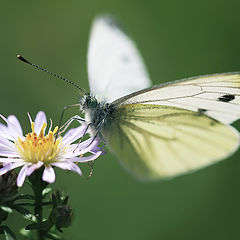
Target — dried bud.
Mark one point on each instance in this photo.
(8, 186)
(8, 189)
(61, 216)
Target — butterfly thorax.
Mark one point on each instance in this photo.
(96, 113)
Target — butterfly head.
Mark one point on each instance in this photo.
(88, 101)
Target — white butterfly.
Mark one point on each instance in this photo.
(160, 131)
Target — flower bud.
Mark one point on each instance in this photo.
(61, 216)
(8, 189)
(8, 186)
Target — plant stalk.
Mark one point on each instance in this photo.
(38, 212)
(38, 186)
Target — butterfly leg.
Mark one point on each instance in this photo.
(95, 136)
(69, 121)
(92, 168)
(61, 118)
(84, 133)
(92, 164)
(98, 130)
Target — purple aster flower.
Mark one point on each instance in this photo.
(38, 149)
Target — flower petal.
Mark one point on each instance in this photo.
(95, 149)
(82, 148)
(10, 160)
(48, 175)
(73, 134)
(86, 159)
(34, 167)
(4, 133)
(6, 143)
(7, 146)
(88, 148)
(22, 175)
(5, 149)
(17, 126)
(68, 165)
(50, 128)
(11, 131)
(29, 117)
(10, 166)
(4, 153)
(39, 121)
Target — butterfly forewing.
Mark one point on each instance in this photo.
(154, 141)
(217, 96)
(115, 67)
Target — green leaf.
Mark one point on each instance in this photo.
(59, 229)
(65, 201)
(31, 226)
(54, 236)
(25, 212)
(44, 226)
(6, 209)
(54, 200)
(24, 196)
(46, 203)
(25, 233)
(25, 204)
(9, 235)
(28, 235)
(46, 191)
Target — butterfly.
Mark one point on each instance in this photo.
(161, 131)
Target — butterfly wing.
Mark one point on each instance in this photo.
(217, 96)
(115, 67)
(154, 141)
(168, 129)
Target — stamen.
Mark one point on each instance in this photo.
(32, 127)
(42, 148)
(55, 130)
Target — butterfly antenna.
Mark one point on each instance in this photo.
(51, 73)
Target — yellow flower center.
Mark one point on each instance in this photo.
(37, 148)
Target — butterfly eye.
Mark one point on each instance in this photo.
(89, 101)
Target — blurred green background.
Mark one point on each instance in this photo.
(178, 39)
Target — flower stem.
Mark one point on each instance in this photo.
(38, 211)
(38, 186)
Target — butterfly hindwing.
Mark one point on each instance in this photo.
(154, 141)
